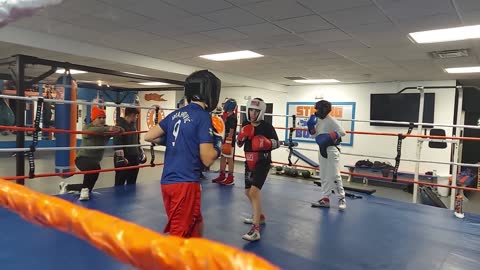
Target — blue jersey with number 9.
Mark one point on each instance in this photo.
(186, 129)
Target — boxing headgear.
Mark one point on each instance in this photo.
(230, 105)
(203, 86)
(257, 104)
(323, 108)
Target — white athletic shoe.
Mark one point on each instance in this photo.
(63, 188)
(84, 194)
(342, 204)
(252, 235)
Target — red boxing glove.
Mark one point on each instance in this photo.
(246, 133)
(261, 143)
(227, 150)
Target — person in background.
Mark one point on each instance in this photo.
(328, 135)
(89, 159)
(128, 156)
(228, 149)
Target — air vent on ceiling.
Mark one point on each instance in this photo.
(450, 54)
(295, 78)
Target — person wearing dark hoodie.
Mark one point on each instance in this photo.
(128, 156)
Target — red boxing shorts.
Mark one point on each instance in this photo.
(182, 203)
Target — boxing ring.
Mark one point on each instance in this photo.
(118, 228)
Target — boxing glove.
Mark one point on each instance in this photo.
(261, 143)
(119, 159)
(325, 140)
(217, 144)
(142, 158)
(246, 133)
(218, 126)
(227, 149)
(217, 141)
(311, 123)
(328, 139)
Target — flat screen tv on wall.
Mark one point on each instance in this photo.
(401, 108)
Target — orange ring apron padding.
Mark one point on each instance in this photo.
(125, 241)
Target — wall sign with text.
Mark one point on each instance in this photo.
(303, 110)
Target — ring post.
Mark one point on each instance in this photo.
(456, 147)
(419, 142)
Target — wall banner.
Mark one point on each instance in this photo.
(303, 110)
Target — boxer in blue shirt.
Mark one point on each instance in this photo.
(191, 143)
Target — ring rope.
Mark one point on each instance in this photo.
(403, 159)
(433, 137)
(31, 99)
(60, 148)
(54, 130)
(78, 172)
(399, 153)
(101, 104)
(31, 158)
(152, 145)
(15, 128)
(389, 179)
(290, 141)
(126, 241)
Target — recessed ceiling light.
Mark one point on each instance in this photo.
(231, 56)
(447, 34)
(153, 83)
(72, 71)
(463, 70)
(317, 81)
(131, 73)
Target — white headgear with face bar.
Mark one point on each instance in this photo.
(256, 104)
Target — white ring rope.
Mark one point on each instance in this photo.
(9, 150)
(30, 99)
(389, 158)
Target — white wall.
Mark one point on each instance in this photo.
(384, 146)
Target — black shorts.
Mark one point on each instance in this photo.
(259, 175)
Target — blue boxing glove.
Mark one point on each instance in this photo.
(311, 123)
(325, 140)
(217, 142)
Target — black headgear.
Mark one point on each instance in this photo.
(323, 108)
(203, 86)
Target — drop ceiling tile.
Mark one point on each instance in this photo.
(356, 16)
(304, 24)
(233, 17)
(277, 10)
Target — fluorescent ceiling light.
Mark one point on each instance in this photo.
(317, 81)
(72, 71)
(231, 56)
(447, 34)
(153, 83)
(463, 70)
(131, 73)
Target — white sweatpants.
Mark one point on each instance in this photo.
(330, 173)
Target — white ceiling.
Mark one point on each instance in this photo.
(348, 40)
